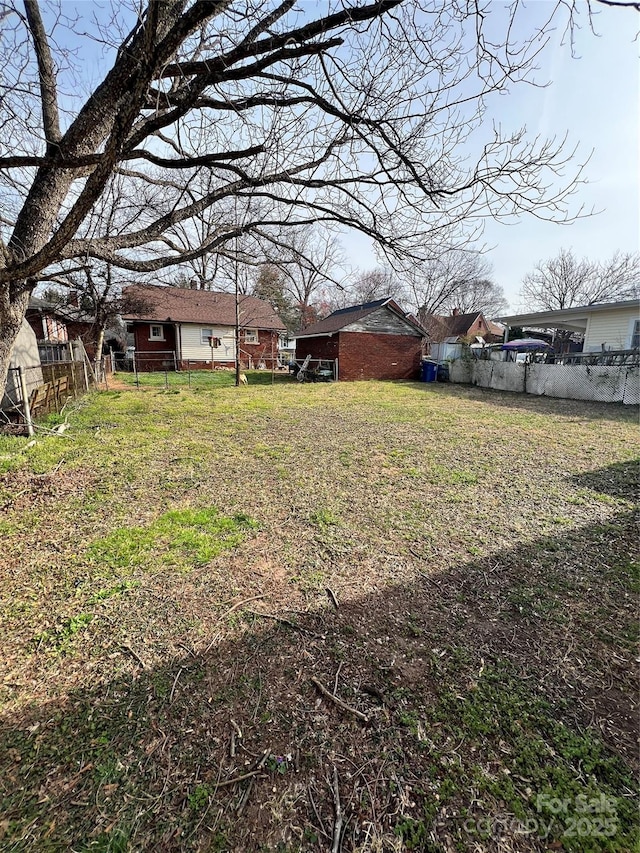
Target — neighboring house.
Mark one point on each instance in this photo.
(197, 327)
(24, 354)
(605, 326)
(376, 340)
(57, 323)
(460, 328)
(449, 334)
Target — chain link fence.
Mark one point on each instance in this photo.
(613, 383)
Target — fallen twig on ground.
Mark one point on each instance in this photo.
(240, 603)
(333, 597)
(133, 654)
(338, 701)
(337, 826)
(284, 621)
(226, 782)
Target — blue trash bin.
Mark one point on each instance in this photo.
(429, 371)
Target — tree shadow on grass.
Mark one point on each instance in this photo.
(477, 690)
(570, 409)
(621, 480)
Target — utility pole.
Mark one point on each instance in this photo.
(237, 327)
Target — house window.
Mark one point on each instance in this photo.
(251, 336)
(205, 336)
(635, 335)
(156, 333)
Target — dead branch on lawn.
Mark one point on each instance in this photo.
(337, 827)
(338, 702)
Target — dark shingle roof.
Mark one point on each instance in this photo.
(178, 305)
(345, 316)
(460, 323)
(457, 325)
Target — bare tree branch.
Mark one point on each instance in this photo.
(220, 121)
(49, 96)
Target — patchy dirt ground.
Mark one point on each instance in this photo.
(359, 617)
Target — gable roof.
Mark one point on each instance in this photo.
(178, 305)
(496, 329)
(437, 327)
(344, 317)
(458, 325)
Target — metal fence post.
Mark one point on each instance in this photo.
(25, 400)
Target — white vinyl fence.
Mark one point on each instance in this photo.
(604, 384)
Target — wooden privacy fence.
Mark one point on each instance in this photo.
(39, 390)
(61, 380)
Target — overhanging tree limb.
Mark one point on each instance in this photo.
(363, 117)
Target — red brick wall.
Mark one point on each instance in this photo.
(478, 327)
(264, 350)
(324, 347)
(366, 355)
(150, 361)
(378, 356)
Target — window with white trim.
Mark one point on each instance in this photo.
(251, 336)
(205, 336)
(635, 335)
(156, 333)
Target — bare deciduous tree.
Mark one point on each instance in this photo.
(364, 114)
(438, 285)
(477, 294)
(312, 262)
(365, 287)
(566, 282)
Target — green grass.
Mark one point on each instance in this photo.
(183, 538)
(186, 380)
(460, 566)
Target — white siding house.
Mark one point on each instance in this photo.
(612, 329)
(608, 326)
(196, 328)
(196, 346)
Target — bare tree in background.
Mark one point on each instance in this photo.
(445, 282)
(566, 281)
(98, 285)
(365, 115)
(365, 287)
(477, 294)
(312, 262)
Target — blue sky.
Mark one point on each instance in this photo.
(594, 96)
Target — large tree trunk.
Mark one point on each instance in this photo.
(12, 311)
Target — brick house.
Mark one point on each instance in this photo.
(58, 322)
(376, 340)
(197, 328)
(462, 328)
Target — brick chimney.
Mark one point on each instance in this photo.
(455, 312)
(72, 298)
